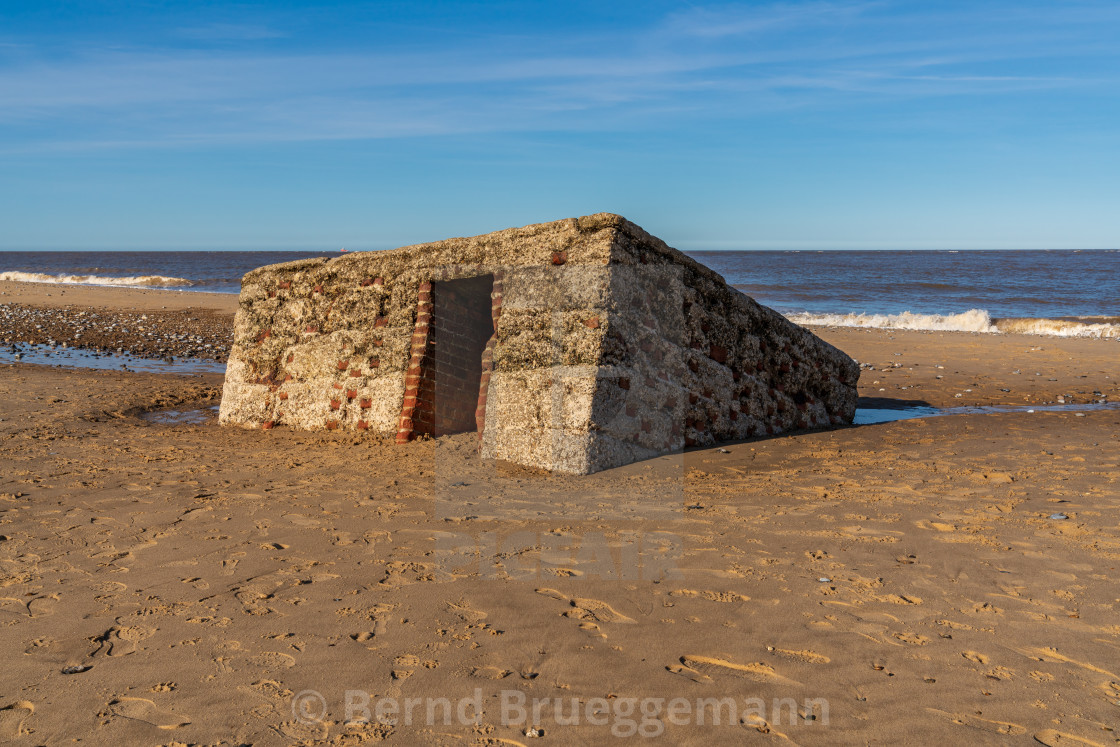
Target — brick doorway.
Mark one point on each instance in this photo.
(451, 395)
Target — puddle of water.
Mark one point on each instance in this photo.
(45, 355)
(182, 417)
(870, 415)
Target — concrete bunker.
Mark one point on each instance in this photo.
(572, 346)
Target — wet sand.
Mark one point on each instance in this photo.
(148, 323)
(899, 582)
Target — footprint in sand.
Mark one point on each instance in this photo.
(142, 709)
(42, 606)
(272, 660)
(563, 572)
(253, 602)
(465, 613)
(229, 565)
(711, 596)
(709, 665)
(591, 610)
(490, 673)
(270, 689)
(974, 656)
(13, 718)
(124, 640)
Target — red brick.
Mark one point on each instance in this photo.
(374, 362)
(283, 395)
(631, 410)
(332, 425)
(355, 373)
(291, 357)
(351, 393)
(310, 329)
(592, 323)
(317, 289)
(380, 322)
(343, 365)
(335, 404)
(559, 258)
(427, 286)
(718, 353)
(366, 403)
(267, 425)
(284, 285)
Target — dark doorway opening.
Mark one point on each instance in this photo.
(451, 375)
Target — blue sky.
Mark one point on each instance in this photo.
(893, 124)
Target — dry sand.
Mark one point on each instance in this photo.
(901, 582)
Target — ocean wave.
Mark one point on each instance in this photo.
(148, 281)
(1060, 327)
(973, 320)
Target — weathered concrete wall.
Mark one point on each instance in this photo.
(608, 346)
(328, 344)
(692, 361)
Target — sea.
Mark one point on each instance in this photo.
(1060, 292)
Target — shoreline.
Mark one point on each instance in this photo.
(161, 324)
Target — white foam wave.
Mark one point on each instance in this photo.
(147, 281)
(973, 320)
(1060, 327)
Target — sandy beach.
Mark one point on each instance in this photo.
(904, 582)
